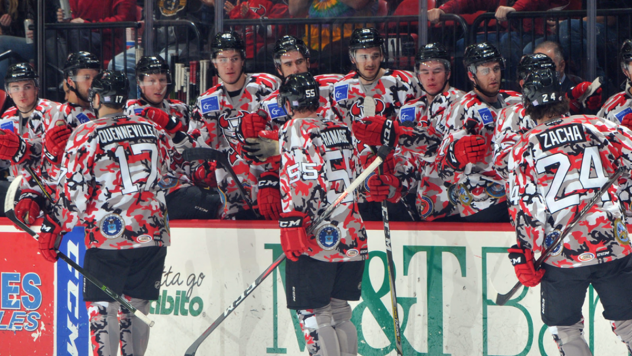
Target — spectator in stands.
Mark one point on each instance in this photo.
(554, 51)
(12, 32)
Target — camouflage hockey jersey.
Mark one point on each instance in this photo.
(317, 164)
(31, 129)
(170, 106)
(109, 182)
(216, 124)
(477, 186)
(554, 170)
(512, 123)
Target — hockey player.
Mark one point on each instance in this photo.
(466, 154)
(317, 165)
(260, 129)
(554, 171)
(217, 118)
(22, 129)
(111, 167)
(367, 91)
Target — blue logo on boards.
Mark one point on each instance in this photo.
(486, 115)
(209, 104)
(341, 92)
(8, 125)
(407, 114)
(621, 114)
(276, 111)
(83, 118)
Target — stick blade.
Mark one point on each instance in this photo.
(9, 199)
(502, 299)
(200, 153)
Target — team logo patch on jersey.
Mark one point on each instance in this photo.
(83, 118)
(586, 256)
(209, 104)
(496, 191)
(621, 232)
(138, 111)
(276, 111)
(622, 113)
(465, 197)
(112, 226)
(352, 253)
(548, 241)
(486, 115)
(7, 126)
(341, 92)
(328, 237)
(453, 194)
(407, 115)
(425, 207)
(143, 239)
(167, 182)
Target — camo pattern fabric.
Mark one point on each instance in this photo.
(478, 186)
(215, 123)
(554, 171)
(317, 165)
(171, 107)
(110, 182)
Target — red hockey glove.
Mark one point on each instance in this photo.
(627, 121)
(522, 260)
(582, 96)
(269, 196)
(468, 149)
(27, 209)
(251, 124)
(55, 142)
(49, 239)
(384, 187)
(204, 175)
(293, 234)
(9, 144)
(377, 130)
(169, 123)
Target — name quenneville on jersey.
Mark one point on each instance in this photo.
(170, 106)
(109, 183)
(216, 124)
(317, 165)
(477, 186)
(554, 171)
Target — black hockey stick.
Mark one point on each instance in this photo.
(382, 153)
(10, 213)
(209, 154)
(502, 299)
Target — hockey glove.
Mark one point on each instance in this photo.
(169, 123)
(468, 149)
(384, 187)
(583, 96)
(293, 234)
(269, 196)
(55, 141)
(28, 208)
(204, 175)
(251, 124)
(9, 145)
(49, 239)
(522, 260)
(627, 121)
(261, 148)
(377, 130)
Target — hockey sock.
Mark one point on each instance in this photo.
(623, 329)
(570, 339)
(320, 336)
(104, 328)
(134, 332)
(345, 330)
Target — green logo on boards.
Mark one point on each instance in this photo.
(178, 304)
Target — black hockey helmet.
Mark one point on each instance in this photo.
(365, 38)
(19, 72)
(542, 87)
(432, 52)
(152, 65)
(479, 53)
(300, 91)
(287, 44)
(112, 87)
(227, 40)
(81, 60)
(530, 62)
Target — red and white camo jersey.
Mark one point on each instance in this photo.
(317, 165)
(617, 106)
(477, 186)
(31, 129)
(170, 106)
(554, 171)
(512, 123)
(109, 182)
(73, 115)
(215, 123)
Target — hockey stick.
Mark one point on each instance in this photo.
(502, 299)
(209, 154)
(10, 213)
(382, 153)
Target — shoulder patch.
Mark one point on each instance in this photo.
(622, 113)
(7, 125)
(486, 115)
(209, 104)
(276, 111)
(407, 114)
(83, 118)
(341, 92)
(137, 111)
